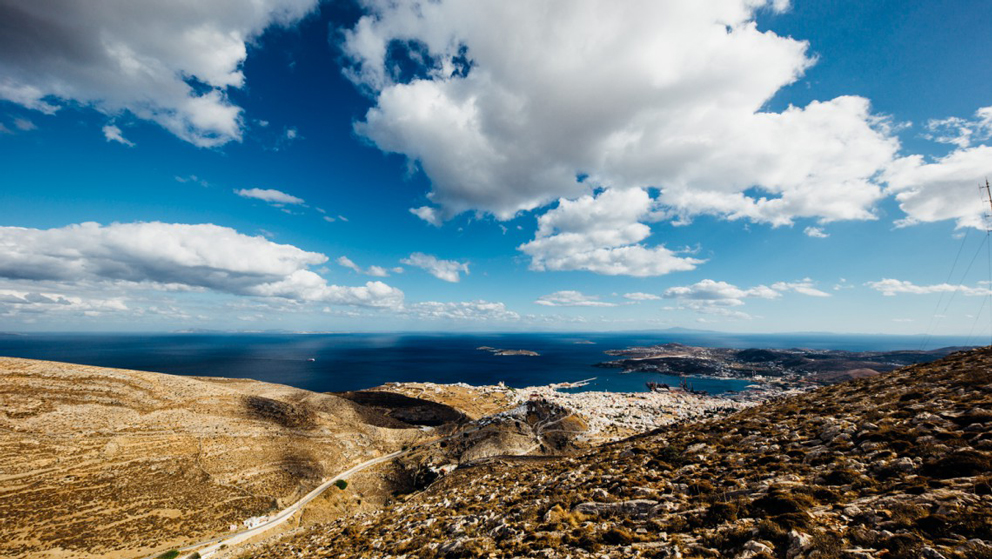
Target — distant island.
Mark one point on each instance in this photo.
(783, 368)
(497, 351)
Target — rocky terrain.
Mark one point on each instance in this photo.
(783, 367)
(111, 463)
(893, 465)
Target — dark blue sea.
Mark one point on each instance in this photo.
(355, 361)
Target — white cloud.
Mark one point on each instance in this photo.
(375, 271)
(24, 125)
(719, 297)
(959, 131)
(945, 188)
(638, 296)
(891, 287)
(803, 287)
(602, 234)
(471, 310)
(660, 94)
(348, 263)
(177, 257)
(118, 55)
(428, 214)
(272, 196)
(719, 293)
(193, 179)
(816, 233)
(571, 299)
(22, 303)
(114, 134)
(447, 270)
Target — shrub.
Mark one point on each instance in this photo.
(700, 487)
(171, 554)
(777, 503)
(718, 513)
(341, 484)
(960, 464)
(618, 536)
(841, 476)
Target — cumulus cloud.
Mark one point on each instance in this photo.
(171, 62)
(719, 293)
(942, 189)
(721, 298)
(470, 310)
(638, 296)
(269, 195)
(571, 299)
(602, 234)
(718, 298)
(375, 271)
(447, 270)
(177, 256)
(816, 233)
(113, 134)
(595, 94)
(891, 287)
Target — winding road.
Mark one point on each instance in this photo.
(214, 545)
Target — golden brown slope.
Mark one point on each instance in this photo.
(891, 466)
(101, 462)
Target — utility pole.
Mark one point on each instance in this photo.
(988, 233)
(988, 191)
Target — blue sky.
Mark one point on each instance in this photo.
(735, 165)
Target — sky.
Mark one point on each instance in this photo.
(383, 165)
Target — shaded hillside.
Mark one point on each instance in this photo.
(896, 465)
(404, 409)
(99, 462)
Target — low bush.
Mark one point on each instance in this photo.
(959, 464)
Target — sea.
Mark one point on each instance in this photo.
(343, 362)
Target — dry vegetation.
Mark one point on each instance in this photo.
(109, 463)
(896, 465)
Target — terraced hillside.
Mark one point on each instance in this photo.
(101, 462)
(897, 465)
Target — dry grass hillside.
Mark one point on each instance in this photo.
(895, 466)
(112, 463)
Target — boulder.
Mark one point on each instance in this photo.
(635, 508)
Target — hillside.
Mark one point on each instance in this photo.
(99, 462)
(895, 465)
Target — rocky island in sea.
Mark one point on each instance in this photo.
(505, 352)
